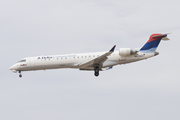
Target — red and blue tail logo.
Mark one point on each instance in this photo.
(152, 44)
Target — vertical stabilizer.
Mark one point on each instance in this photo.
(153, 42)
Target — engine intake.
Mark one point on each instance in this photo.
(126, 51)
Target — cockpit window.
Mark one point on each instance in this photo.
(22, 60)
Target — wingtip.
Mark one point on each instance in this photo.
(112, 49)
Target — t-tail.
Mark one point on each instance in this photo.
(153, 42)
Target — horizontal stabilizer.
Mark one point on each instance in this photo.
(164, 36)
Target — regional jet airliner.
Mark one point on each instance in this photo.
(97, 61)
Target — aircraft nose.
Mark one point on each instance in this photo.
(14, 67)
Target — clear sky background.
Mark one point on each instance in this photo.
(145, 90)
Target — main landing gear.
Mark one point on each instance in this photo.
(96, 71)
(20, 75)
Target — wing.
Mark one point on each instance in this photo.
(97, 61)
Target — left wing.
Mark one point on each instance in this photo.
(97, 61)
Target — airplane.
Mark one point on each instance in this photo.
(96, 61)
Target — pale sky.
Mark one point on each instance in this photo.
(144, 90)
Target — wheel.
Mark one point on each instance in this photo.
(20, 75)
(96, 74)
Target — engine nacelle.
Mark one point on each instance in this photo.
(126, 51)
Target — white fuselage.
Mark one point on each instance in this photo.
(75, 60)
(96, 61)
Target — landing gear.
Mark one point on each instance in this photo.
(96, 74)
(96, 71)
(20, 74)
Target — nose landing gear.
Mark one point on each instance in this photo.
(20, 75)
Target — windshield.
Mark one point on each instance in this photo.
(22, 60)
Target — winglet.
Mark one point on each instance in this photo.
(112, 49)
(111, 67)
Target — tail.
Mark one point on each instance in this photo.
(153, 42)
